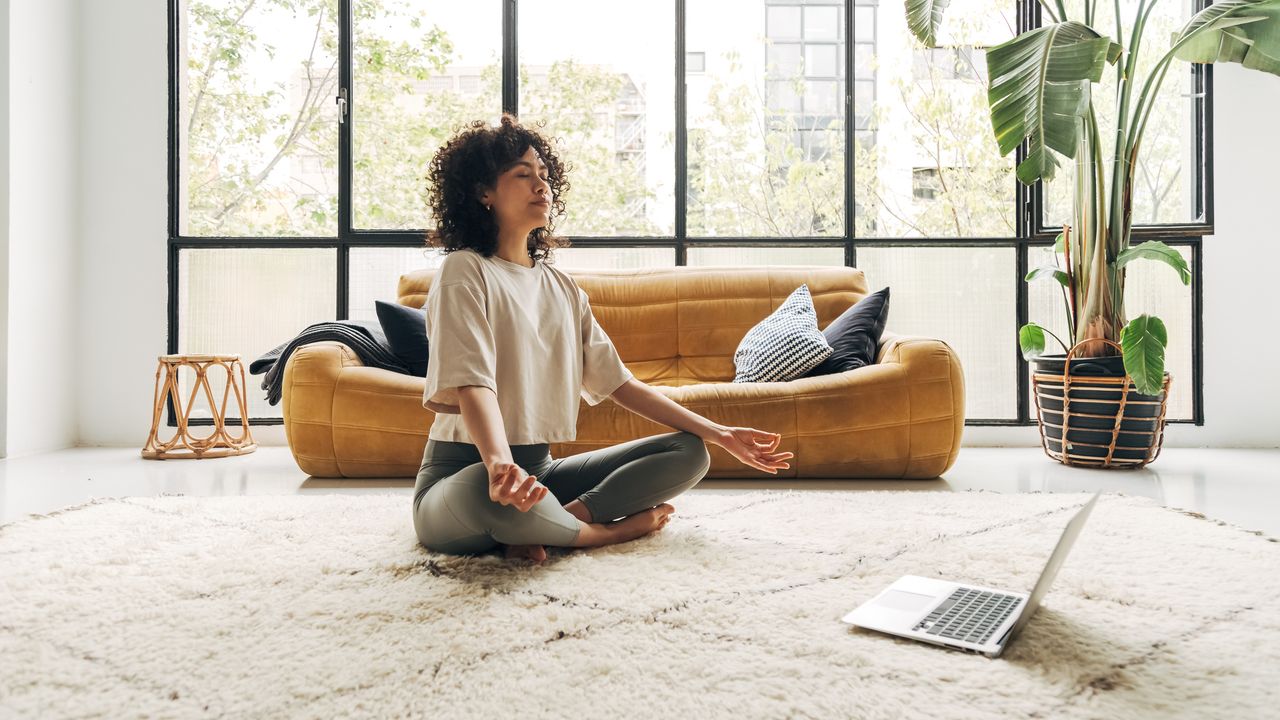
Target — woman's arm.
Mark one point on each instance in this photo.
(483, 419)
(755, 448)
(643, 400)
(508, 482)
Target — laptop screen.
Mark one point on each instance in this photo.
(1055, 561)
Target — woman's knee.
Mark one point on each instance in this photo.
(456, 514)
(695, 450)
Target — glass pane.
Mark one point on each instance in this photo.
(1150, 287)
(821, 22)
(375, 274)
(258, 144)
(864, 94)
(965, 297)
(422, 69)
(784, 22)
(572, 258)
(929, 113)
(784, 60)
(610, 99)
(248, 301)
(864, 23)
(821, 97)
(1164, 184)
(751, 173)
(765, 256)
(863, 62)
(821, 61)
(783, 97)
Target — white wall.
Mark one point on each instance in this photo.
(122, 260)
(43, 119)
(123, 186)
(4, 228)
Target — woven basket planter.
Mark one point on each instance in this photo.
(1093, 401)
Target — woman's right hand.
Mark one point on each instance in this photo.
(508, 485)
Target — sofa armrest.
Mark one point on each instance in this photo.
(345, 419)
(936, 389)
(310, 384)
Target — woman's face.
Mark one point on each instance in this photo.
(521, 197)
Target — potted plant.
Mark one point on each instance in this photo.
(1039, 92)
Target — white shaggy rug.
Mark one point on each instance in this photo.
(325, 606)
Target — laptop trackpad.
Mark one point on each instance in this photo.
(899, 600)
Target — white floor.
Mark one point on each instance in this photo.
(1237, 486)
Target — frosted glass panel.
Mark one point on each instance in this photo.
(581, 258)
(248, 301)
(765, 256)
(965, 297)
(375, 275)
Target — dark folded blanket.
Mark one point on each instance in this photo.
(364, 337)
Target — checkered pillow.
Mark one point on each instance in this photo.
(784, 345)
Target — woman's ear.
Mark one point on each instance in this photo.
(484, 195)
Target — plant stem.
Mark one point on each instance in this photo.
(1055, 337)
(1048, 9)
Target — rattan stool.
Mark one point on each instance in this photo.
(183, 445)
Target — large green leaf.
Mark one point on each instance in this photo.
(1143, 341)
(1040, 89)
(924, 17)
(1049, 271)
(1156, 250)
(1240, 31)
(1031, 339)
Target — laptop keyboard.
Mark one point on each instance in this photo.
(969, 615)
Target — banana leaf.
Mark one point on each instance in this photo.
(1040, 89)
(1244, 31)
(924, 17)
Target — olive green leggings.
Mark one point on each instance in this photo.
(452, 512)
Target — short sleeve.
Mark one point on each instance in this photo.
(602, 367)
(461, 342)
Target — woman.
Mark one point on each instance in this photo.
(513, 346)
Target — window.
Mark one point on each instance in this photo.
(1167, 189)
(794, 147)
(924, 183)
(627, 79)
(404, 101)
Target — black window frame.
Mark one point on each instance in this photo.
(1028, 201)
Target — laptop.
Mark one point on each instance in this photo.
(971, 618)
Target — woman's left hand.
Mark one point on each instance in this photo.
(754, 447)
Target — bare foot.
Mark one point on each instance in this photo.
(641, 523)
(536, 553)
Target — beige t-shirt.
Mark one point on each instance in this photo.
(526, 333)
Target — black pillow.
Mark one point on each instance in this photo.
(406, 331)
(855, 335)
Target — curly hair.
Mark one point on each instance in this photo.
(475, 157)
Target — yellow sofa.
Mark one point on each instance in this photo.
(676, 328)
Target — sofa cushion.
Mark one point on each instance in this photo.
(855, 335)
(406, 331)
(784, 345)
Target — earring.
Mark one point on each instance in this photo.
(489, 208)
